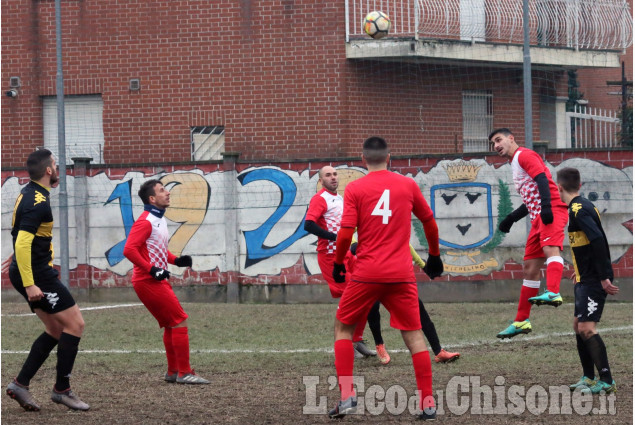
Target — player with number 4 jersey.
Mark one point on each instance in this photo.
(380, 206)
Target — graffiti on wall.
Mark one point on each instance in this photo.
(469, 199)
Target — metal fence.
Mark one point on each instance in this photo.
(592, 128)
(578, 24)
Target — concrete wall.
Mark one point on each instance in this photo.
(243, 222)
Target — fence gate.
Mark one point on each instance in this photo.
(592, 128)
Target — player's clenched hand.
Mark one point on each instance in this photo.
(545, 214)
(507, 223)
(609, 288)
(34, 293)
(339, 273)
(434, 266)
(183, 261)
(159, 274)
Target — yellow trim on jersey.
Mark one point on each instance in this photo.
(575, 267)
(577, 239)
(23, 244)
(575, 207)
(45, 230)
(416, 258)
(15, 209)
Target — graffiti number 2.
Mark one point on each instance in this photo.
(255, 239)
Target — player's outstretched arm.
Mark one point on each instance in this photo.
(183, 261)
(313, 228)
(416, 258)
(507, 223)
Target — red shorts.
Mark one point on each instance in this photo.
(326, 261)
(161, 301)
(400, 299)
(546, 234)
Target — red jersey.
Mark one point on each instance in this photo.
(147, 244)
(380, 205)
(526, 165)
(325, 209)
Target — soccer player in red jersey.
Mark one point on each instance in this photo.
(380, 205)
(549, 216)
(323, 219)
(147, 248)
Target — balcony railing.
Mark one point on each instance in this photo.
(577, 24)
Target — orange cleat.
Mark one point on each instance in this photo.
(382, 354)
(445, 357)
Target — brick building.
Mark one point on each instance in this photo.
(282, 79)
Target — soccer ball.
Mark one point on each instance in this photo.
(376, 24)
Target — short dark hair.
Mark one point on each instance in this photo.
(37, 162)
(375, 150)
(504, 131)
(569, 179)
(147, 190)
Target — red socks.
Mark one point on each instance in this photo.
(359, 331)
(169, 350)
(555, 265)
(181, 347)
(528, 290)
(344, 359)
(423, 375)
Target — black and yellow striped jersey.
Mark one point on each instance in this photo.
(32, 232)
(591, 255)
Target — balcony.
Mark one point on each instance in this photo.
(573, 33)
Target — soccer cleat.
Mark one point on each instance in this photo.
(599, 387)
(546, 298)
(171, 377)
(21, 394)
(428, 414)
(68, 399)
(382, 354)
(446, 357)
(343, 408)
(361, 348)
(583, 382)
(514, 329)
(192, 379)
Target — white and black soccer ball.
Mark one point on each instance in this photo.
(376, 24)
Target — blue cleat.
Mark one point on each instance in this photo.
(546, 298)
(599, 387)
(584, 382)
(515, 328)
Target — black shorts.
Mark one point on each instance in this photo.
(56, 297)
(589, 301)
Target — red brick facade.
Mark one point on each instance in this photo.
(274, 73)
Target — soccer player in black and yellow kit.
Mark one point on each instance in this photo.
(32, 274)
(593, 281)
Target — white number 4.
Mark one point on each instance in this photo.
(383, 207)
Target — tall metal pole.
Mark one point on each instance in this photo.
(624, 104)
(529, 143)
(61, 143)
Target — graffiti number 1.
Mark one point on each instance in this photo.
(122, 192)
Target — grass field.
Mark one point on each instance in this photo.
(257, 355)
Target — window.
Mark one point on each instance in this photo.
(207, 142)
(478, 120)
(84, 130)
